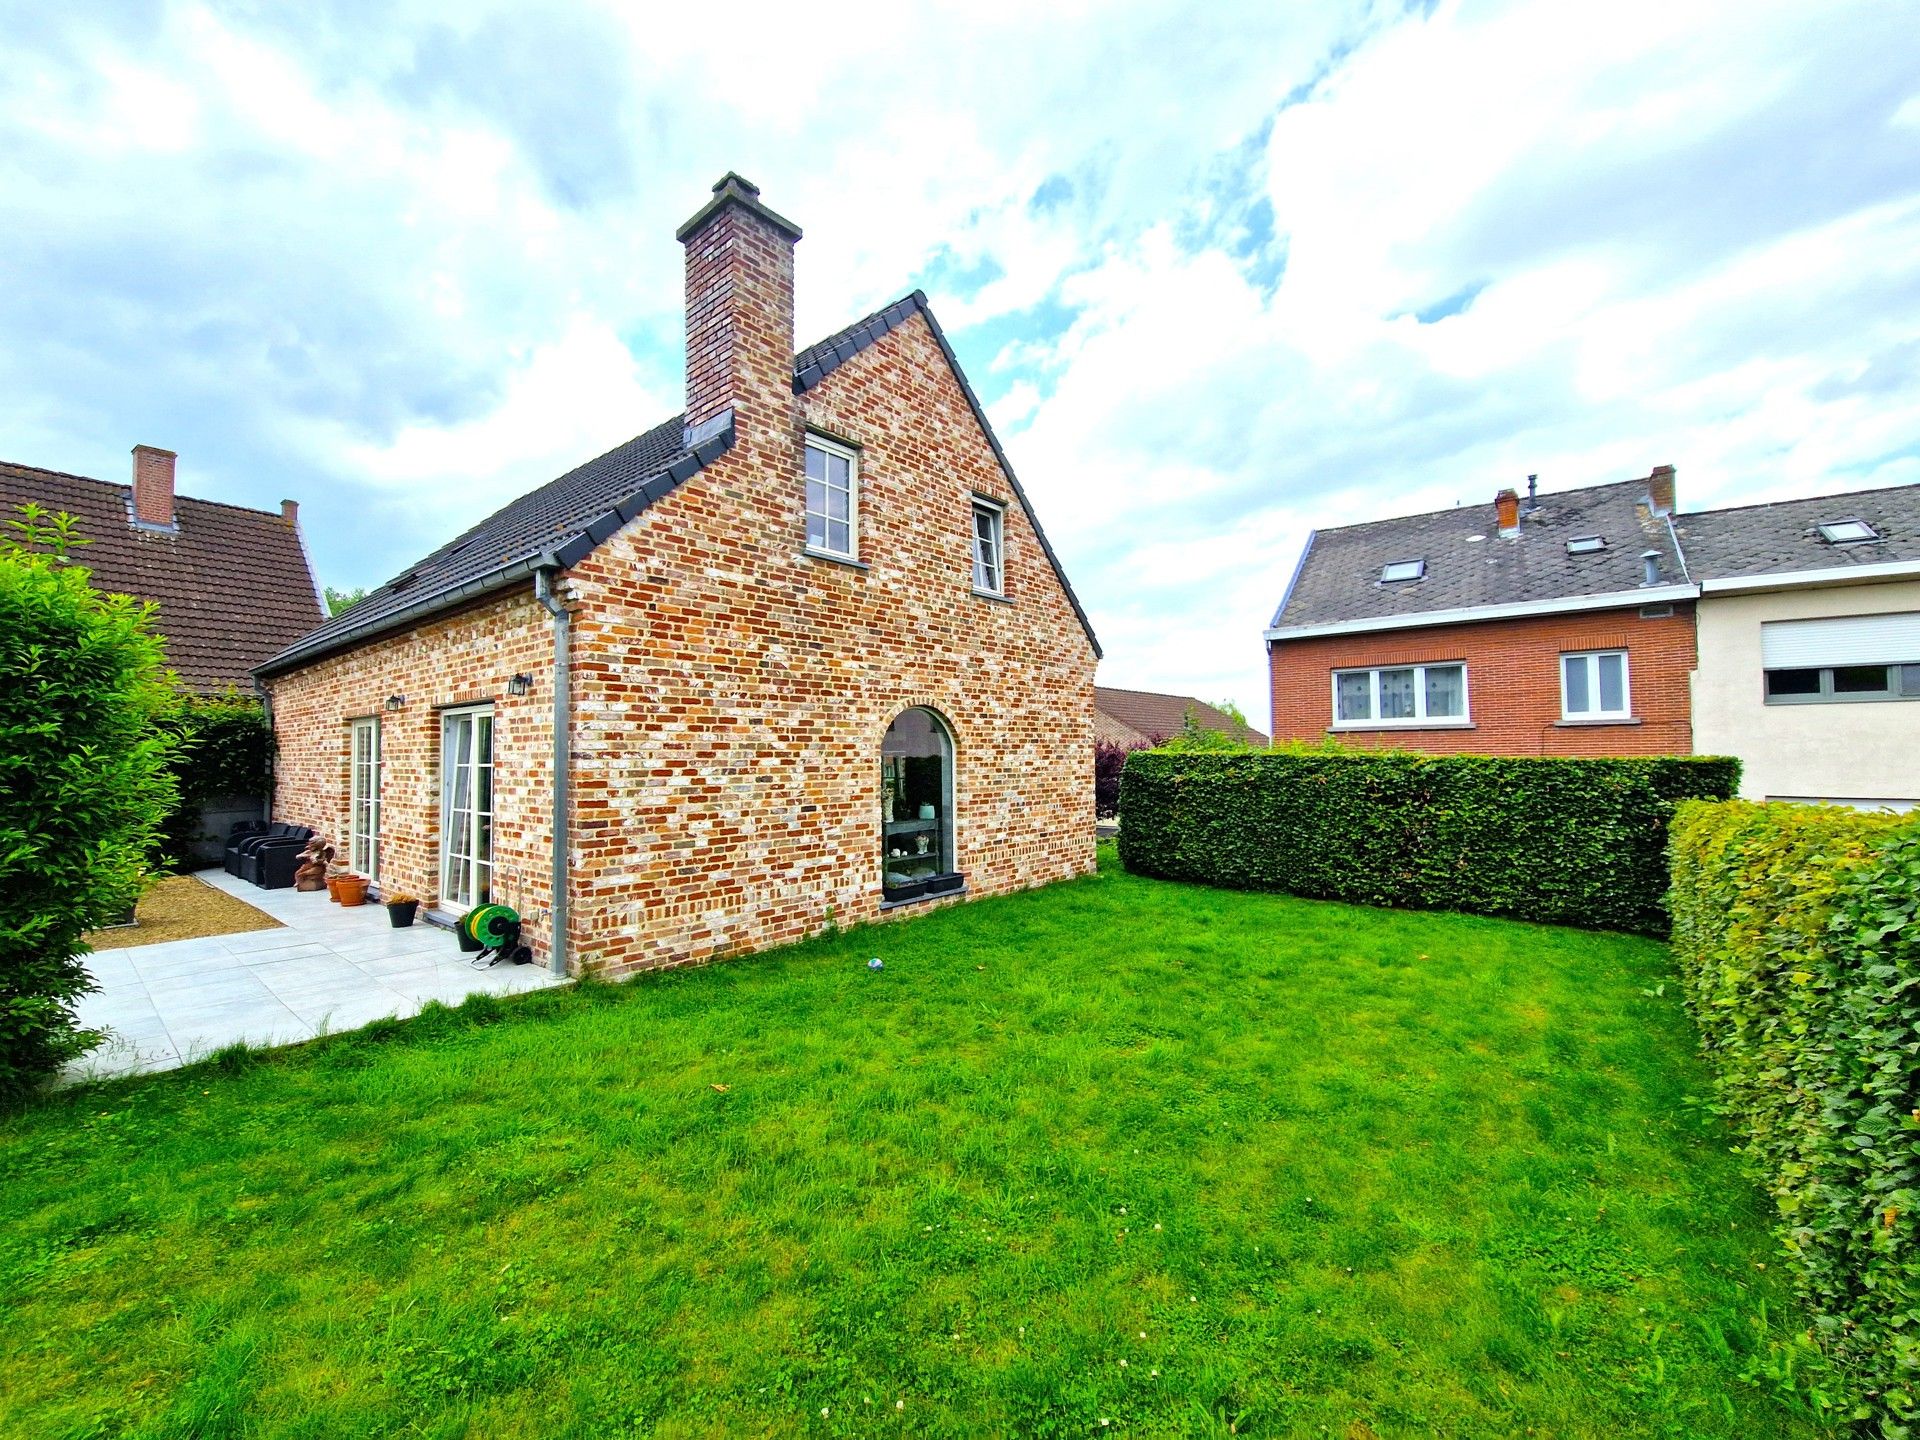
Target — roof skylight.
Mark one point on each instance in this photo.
(1847, 532)
(1586, 544)
(1402, 570)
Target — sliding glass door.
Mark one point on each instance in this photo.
(363, 812)
(466, 807)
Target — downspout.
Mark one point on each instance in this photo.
(543, 582)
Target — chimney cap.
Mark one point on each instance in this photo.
(155, 450)
(733, 188)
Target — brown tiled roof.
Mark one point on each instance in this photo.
(232, 584)
(1153, 716)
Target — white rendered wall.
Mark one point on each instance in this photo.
(1864, 753)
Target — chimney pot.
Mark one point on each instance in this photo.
(290, 512)
(1660, 490)
(1506, 508)
(153, 486)
(1650, 559)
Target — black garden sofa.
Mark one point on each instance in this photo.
(266, 855)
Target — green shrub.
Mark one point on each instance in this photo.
(222, 747)
(1574, 842)
(83, 784)
(1797, 932)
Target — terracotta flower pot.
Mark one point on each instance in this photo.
(351, 890)
(333, 888)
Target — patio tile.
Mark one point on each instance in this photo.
(173, 955)
(195, 991)
(337, 1013)
(120, 1056)
(127, 1010)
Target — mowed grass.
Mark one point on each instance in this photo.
(1117, 1157)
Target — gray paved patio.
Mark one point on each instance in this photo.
(330, 969)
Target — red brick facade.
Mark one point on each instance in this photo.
(730, 690)
(1513, 684)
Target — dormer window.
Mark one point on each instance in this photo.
(1854, 531)
(1402, 570)
(1586, 544)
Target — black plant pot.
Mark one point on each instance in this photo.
(466, 942)
(400, 913)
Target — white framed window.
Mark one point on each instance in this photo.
(833, 498)
(1400, 695)
(989, 548)
(1593, 686)
(363, 798)
(466, 806)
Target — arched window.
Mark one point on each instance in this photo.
(916, 808)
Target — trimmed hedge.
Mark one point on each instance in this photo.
(1571, 842)
(222, 747)
(1797, 932)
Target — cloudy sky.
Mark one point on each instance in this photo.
(1222, 272)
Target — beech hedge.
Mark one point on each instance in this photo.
(1796, 930)
(1571, 842)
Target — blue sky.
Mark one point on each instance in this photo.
(1221, 273)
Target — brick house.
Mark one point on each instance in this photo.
(1146, 717)
(799, 656)
(232, 586)
(1562, 624)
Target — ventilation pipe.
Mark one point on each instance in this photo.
(1533, 495)
(1650, 559)
(543, 590)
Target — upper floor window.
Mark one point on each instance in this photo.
(1400, 695)
(833, 498)
(1841, 657)
(1593, 686)
(989, 548)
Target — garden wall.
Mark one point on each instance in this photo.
(1796, 929)
(1572, 842)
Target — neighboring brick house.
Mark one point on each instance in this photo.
(233, 585)
(815, 657)
(1562, 624)
(1146, 717)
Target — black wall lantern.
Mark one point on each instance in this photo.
(395, 702)
(519, 684)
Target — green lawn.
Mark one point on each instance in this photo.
(1118, 1151)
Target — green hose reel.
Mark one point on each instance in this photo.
(491, 925)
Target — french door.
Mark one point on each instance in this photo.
(363, 800)
(466, 807)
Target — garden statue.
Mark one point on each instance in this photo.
(312, 874)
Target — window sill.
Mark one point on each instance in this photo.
(1598, 720)
(994, 595)
(1393, 726)
(956, 891)
(833, 559)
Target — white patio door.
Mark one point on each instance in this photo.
(363, 807)
(466, 807)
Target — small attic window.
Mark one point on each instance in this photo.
(1854, 531)
(1586, 544)
(1402, 570)
(405, 580)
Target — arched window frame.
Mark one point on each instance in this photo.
(915, 875)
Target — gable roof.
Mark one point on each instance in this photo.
(1783, 537)
(233, 585)
(563, 521)
(1154, 716)
(1469, 565)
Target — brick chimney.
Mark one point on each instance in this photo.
(290, 513)
(153, 486)
(740, 314)
(1660, 490)
(1506, 508)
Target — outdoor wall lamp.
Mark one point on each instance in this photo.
(520, 684)
(395, 702)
